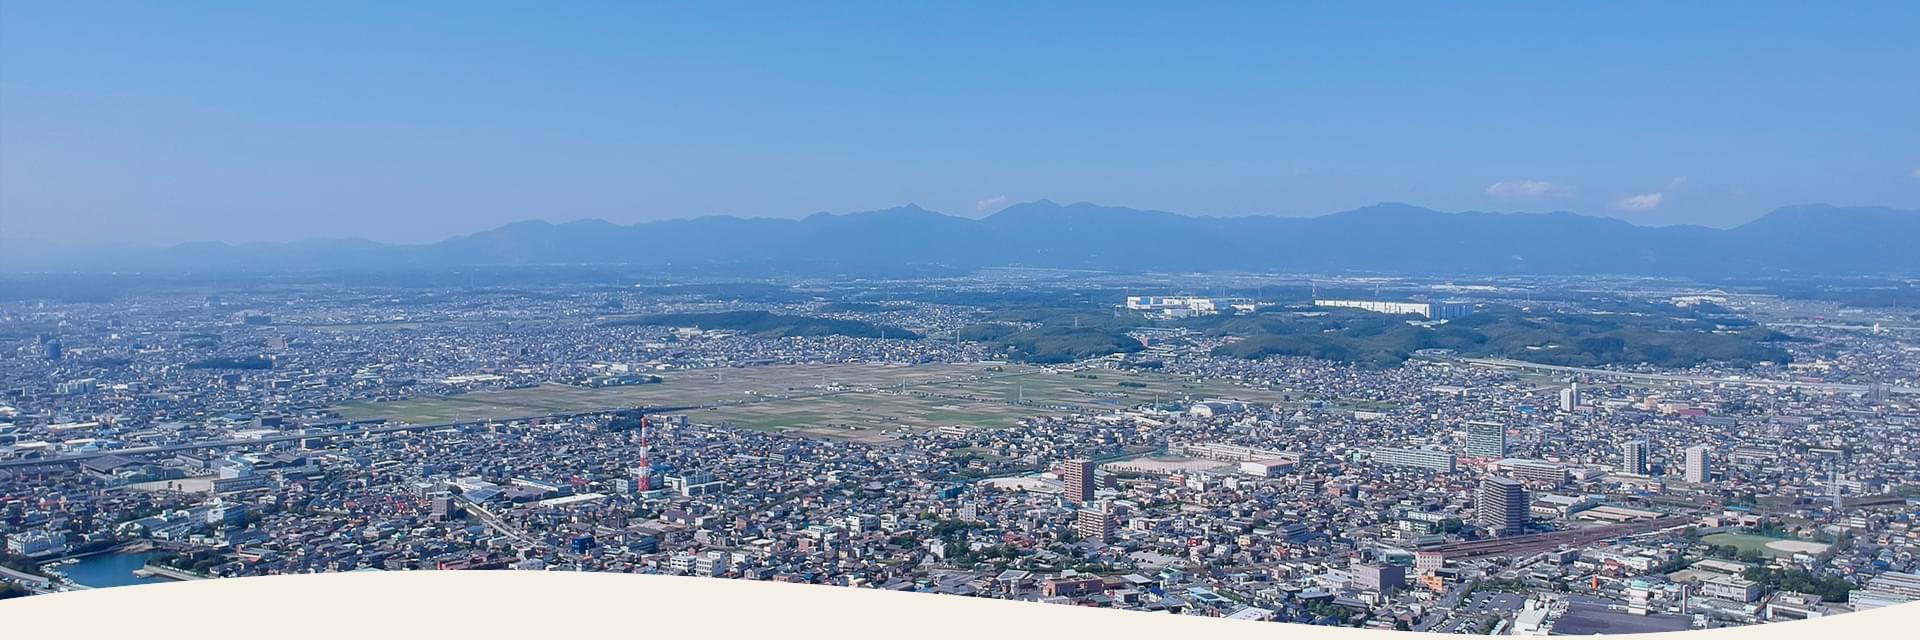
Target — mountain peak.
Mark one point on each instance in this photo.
(1044, 209)
(1823, 209)
(908, 210)
(1811, 216)
(1387, 210)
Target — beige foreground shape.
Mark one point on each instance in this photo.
(524, 605)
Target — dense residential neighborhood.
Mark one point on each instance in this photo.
(188, 436)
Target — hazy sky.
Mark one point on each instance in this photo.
(410, 121)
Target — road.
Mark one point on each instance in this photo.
(1667, 377)
(494, 522)
(28, 579)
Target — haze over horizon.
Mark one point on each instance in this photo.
(161, 124)
(454, 232)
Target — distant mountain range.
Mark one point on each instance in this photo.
(1388, 238)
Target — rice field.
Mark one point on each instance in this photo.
(852, 401)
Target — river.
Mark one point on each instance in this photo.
(109, 570)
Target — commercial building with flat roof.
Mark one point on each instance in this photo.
(1420, 458)
(1428, 310)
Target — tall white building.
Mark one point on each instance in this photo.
(1570, 397)
(1698, 466)
(1487, 439)
(1634, 457)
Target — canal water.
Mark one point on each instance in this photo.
(109, 570)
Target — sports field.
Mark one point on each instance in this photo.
(1780, 547)
(852, 401)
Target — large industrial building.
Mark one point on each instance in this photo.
(1231, 452)
(1187, 306)
(1428, 310)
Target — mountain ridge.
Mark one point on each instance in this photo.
(1385, 237)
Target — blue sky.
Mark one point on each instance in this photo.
(166, 122)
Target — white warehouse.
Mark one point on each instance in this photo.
(1187, 306)
(1428, 310)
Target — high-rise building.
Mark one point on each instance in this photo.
(1502, 505)
(1570, 397)
(1877, 393)
(1094, 523)
(1634, 457)
(1487, 439)
(643, 474)
(444, 507)
(1699, 467)
(1079, 477)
